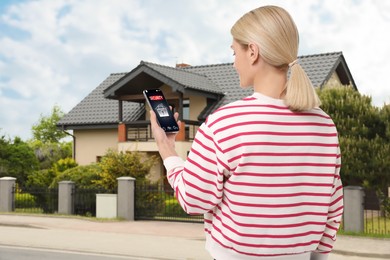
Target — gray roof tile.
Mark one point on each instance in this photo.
(186, 78)
(320, 67)
(94, 109)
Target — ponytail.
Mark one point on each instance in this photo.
(300, 93)
(273, 29)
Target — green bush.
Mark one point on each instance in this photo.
(25, 200)
(84, 176)
(384, 203)
(41, 178)
(149, 199)
(45, 177)
(118, 164)
(173, 207)
(64, 164)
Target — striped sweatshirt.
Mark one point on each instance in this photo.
(266, 179)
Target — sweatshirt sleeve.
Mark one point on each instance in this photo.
(198, 181)
(334, 214)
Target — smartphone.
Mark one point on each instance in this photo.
(159, 104)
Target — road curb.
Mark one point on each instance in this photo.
(360, 254)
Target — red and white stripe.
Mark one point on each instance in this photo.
(266, 178)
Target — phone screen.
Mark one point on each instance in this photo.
(159, 104)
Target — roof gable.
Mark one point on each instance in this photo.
(149, 75)
(320, 67)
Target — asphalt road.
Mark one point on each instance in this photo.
(344, 257)
(24, 237)
(25, 253)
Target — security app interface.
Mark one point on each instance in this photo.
(161, 108)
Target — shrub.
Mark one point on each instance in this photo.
(25, 200)
(149, 200)
(64, 164)
(84, 176)
(173, 207)
(118, 164)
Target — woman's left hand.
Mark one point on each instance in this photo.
(165, 141)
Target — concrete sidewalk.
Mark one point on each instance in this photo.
(140, 239)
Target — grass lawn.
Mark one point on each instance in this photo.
(29, 210)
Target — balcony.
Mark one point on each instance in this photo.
(141, 131)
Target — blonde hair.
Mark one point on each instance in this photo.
(275, 33)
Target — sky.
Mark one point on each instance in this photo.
(55, 52)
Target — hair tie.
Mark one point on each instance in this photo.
(292, 63)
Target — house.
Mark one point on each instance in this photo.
(114, 115)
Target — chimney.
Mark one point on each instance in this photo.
(182, 65)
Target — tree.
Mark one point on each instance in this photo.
(46, 177)
(46, 129)
(385, 117)
(47, 140)
(17, 159)
(364, 136)
(353, 113)
(49, 153)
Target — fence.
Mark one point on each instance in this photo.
(376, 212)
(45, 200)
(376, 222)
(84, 200)
(157, 202)
(35, 199)
(367, 211)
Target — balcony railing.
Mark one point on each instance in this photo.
(141, 131)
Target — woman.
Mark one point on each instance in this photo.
(263, 170)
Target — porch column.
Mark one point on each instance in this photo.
(181, 135)
(180, 106)
(120, 110)
(122, 135)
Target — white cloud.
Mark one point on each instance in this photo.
(57, 51)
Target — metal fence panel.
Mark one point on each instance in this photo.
(376, 212)
(157, 202)
(376, 222)
(36, 200)
(85, 200)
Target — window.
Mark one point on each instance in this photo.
(186, 109)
